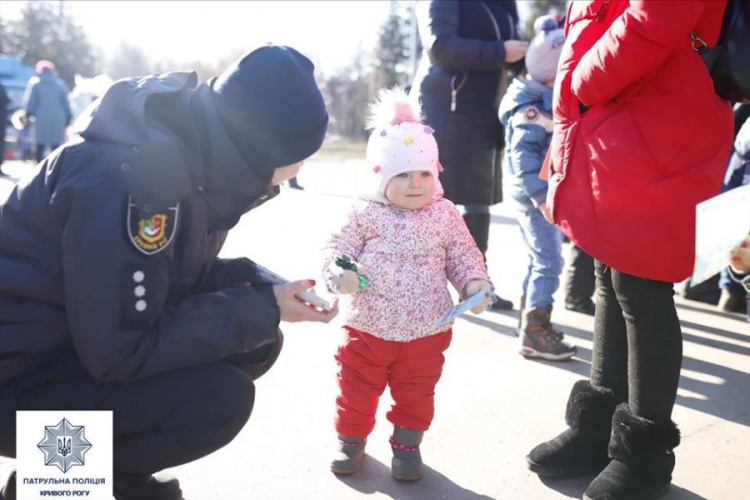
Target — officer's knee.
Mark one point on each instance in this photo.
(231, 400)
(256, 363)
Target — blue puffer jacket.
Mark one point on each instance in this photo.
(526, 114)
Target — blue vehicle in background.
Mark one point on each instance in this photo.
(14, 75)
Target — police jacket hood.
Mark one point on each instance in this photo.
(179, 146)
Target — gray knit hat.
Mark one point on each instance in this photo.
(544, 50)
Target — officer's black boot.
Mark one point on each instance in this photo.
(157, 487)
(9, 490)
(582, 449)
(642, 459)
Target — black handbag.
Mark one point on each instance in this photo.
(729, 62)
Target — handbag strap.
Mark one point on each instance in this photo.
(455, 89)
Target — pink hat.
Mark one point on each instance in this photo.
(43, 65)
(399, 142)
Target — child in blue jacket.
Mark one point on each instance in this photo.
(526, 114)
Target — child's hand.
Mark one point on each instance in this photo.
(740, 257)
(476, 285)
(344, 283)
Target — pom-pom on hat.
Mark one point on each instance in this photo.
(544, 49)
(399, 141)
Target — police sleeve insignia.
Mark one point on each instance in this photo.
(153, 234)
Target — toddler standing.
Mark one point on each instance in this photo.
(526, 114)
(404, 245)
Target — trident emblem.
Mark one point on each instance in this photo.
(63, 445)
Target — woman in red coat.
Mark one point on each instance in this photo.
(640, 138)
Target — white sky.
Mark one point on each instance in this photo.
(327, 31)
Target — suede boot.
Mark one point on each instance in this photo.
(9, 490)
(582, 449)
(540, 340)
(642, 459)
(161, 486)
(406, 464)
(349, 456)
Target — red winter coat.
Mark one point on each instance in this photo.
(628, 172)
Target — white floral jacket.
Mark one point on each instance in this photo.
(409, 256)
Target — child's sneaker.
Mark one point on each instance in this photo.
(406, 464)
(540, 340)
(349, 456)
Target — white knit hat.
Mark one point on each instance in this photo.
(399, 142)
(544, 49)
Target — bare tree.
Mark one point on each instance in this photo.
(48, 31)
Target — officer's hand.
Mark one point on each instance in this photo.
(476, 285)
(294, 310)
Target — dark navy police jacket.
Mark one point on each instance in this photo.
(110, 251)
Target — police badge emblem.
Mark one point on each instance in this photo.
(153, 234)
(64, 445)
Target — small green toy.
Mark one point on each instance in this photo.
(345, 262)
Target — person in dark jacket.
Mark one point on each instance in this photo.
(46, 100)
(468, 48)
(111, 293)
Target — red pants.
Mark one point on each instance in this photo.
(410, 369)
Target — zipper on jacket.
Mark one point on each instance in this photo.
(602, 12)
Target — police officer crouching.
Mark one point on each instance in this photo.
(111, 293)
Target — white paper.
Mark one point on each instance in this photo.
(721, 223)
(461, 308)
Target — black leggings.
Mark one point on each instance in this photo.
(637, 342)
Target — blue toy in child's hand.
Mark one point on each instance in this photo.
(461, 308)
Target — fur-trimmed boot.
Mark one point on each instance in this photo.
(642, 459)
(406, 464)
(349, 456)
(582, 449)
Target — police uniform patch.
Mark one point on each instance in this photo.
(153, 234)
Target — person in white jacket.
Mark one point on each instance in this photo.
(394, 257)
